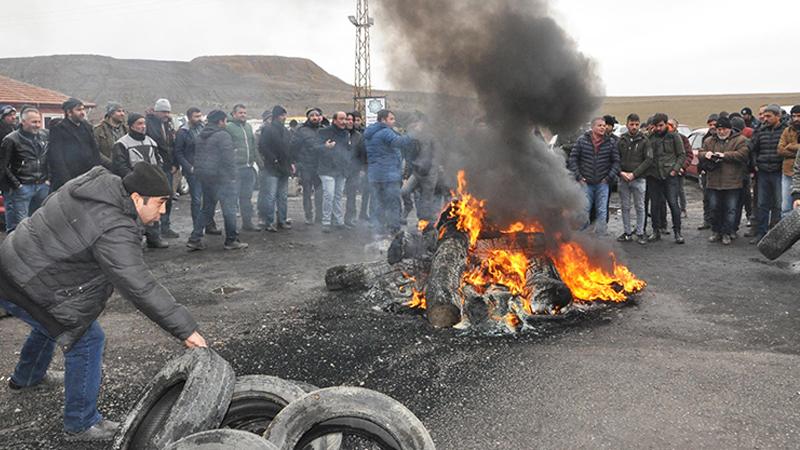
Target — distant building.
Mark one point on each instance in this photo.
(18, 94)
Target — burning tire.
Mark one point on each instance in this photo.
(781, 237)
(351, 411)
(223, 440)
(189, 395)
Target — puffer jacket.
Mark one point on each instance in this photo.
(304, 143)
(787, 148)
(273, 144)
(214, 155)
(62, 263)
(668, 155)
(384, 153)
(601, 166)
(733, 167)
(764, 147)
(23, 158)
(134, 148)
(635, 153)
(244, 142)
(335, 162)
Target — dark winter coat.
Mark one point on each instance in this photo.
(595, 167)
(359, 161)
(384, 156)
(764, 146)
(71, 152)
(164, 134)
(668, 155)
(304, 148)
(62, 264)
(273, 144)
(106, 135)
(214, 155)
(134, 148)
(5, 130)
(184, 147)
(635, 153)
(730, 172)
(23, 159)
(335, 162)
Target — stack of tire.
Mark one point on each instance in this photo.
(197, 402)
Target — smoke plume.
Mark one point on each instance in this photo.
(523, 70)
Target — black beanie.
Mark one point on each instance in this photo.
(70, 103)
(215, 116)
(133, 117)
(278, 110)
(147, 180)
(724, 122)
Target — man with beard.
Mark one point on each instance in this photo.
(594, 161)
(354, 171)
(273, 144)
(161, 129)
(787, 148)
(304, 148)
(72, 150)
(662, 177)
(184, 156)
(769, 166)
(110, 130)
(244, 144)
(8, 120)
(335, 150)
(635, 159)
(58, 270)
(216, 169)
(749, 120)
(711, 122)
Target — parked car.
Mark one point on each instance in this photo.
(696, 139)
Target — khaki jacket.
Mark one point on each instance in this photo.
(731, 171)
(787, 147)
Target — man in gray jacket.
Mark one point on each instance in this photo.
(60, 266)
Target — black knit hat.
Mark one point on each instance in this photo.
(147, 180)
(278, 110)
(215, 116)
(724, 122)
(318, 110)
(133, 117)
(71, 103)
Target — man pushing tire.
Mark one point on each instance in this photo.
(60, 266)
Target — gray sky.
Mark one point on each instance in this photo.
(680, 47)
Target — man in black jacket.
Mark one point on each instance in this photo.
(304, 145)
(769, 165)
(23, 158)
(215, 166)
(273, 144)
(161, 130)
(184, 157)
(8, 120)
(72, 148)
(60, 266)
(354, 181)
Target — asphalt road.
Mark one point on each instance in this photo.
(704, 358)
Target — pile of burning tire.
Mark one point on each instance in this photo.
(197, 402)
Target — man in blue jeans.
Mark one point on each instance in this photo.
(769, 164)
(595, 163)
(60, 266)
(273, 145)
(24, 177)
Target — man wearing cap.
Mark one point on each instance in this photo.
(787, 148)
(749, 120)
(107, 132)
(215, 166)
(8, 120)
(729, 149)
(60, 266)
(273, 145)
(161, 130)
(72, 148)
(244, 145)
(304, 148)
(23, 159)
(769, 165)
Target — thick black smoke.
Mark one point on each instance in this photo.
(524, 71)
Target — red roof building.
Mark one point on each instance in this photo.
(18, 94)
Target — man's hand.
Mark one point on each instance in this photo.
(195, 341)
(672, 173)
(796, 204)
(708, 155)
(329, 144)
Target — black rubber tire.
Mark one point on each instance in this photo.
(348, 410)
(781, 237)
(188, 395)
(224, 439)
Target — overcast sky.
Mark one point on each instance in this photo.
(679, 47)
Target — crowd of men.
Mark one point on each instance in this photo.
(745, 163)
(224, 160)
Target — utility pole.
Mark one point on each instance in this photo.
(362, 87)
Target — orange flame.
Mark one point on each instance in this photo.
(502, 267)
(468, 210)
(588, 281)
(417, 300)
(519, 227)
(421, 225)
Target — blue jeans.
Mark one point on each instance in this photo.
(769, 200)
(786, 196)
(723, 205)
(196, 193)
(332, 195)
(227, 194)
(245, 186)
(164, 221)
(597, 195)
(82, 368)
(635, 189)
(22, 202)
(274, 192)
(388, 204)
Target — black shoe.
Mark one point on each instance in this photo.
(679, 238)
(665, 231)
(624, 237)
(196, 246)
(704, 226)
(641, 239)
(213, 230)
(156, 243)
(285, 226)
(654, 237)
(52, 378)
(170, 234)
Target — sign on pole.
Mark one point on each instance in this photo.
(372, 106)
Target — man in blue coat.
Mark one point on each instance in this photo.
(385, 168)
